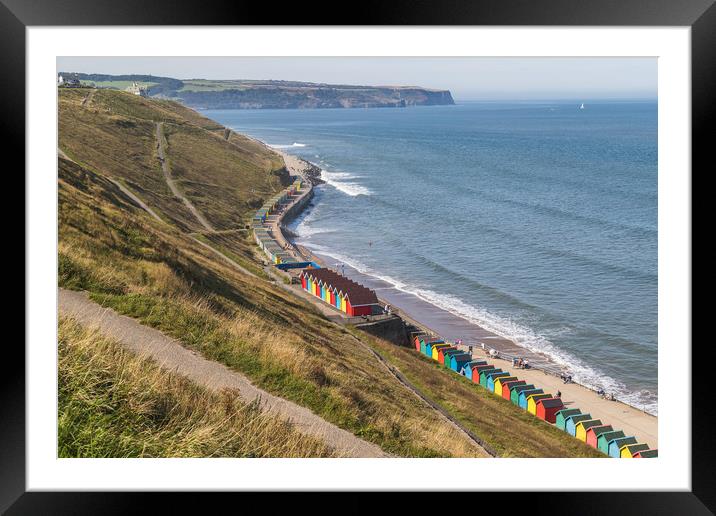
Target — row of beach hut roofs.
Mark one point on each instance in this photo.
(262, 234)
(545, 406)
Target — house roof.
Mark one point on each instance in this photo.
(356, 293)
(550, 402)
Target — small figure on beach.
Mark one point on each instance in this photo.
(343, 269)
(370, 243)
(526, 364)
(559, 394)
(493, 353)
(469, 349)
(601, 393)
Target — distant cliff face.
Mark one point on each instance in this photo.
(311, 96)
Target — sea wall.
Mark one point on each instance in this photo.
(391, 329)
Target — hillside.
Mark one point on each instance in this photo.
(252, 94)
(156, 272)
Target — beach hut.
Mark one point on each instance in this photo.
(547, 409)
(358, 299)
(582, 427)
(467, 368)
(500, 381)
(615, 445)
(628, 451)
(606, 438)
(494, 376)
(646, 454)
(416, 341)
(476, 370)
(506, 386)
(532, 402)
(484, 374)
(442, 351)
(458, 360)
(594, 432)
(429, 346)
(570, 425)
(447, 355)
(562, 415)
(525, 394)
(516, 390)
(436, 350)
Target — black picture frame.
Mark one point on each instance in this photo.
(17, 15)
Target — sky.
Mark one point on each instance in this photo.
(468, 78)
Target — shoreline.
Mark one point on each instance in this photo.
(425, 315)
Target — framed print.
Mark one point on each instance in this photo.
(421, 249)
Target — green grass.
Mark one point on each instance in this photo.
(118, 85)
(112, 403)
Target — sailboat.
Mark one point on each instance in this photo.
(582, 106)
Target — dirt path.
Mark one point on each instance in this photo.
(170, 182)
(86, 101)
(170, 354)
(136, 199)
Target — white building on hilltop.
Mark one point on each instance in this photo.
(136, 89)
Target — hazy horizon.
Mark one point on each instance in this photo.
(467, 78)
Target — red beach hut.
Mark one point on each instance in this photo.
(547, 408)
(594, 432)
(441, 353)
(508, 385)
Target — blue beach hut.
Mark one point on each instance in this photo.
(522, 403)
(467, 367)
(492, 377)
(485, 372)
(429, 346)
(570, 425)
(458, 360)
(615, 445)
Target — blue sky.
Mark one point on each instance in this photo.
(468, 78)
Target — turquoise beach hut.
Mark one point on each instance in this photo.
(561, 417)
(615, 445)
(604, 439)
(516, 390)
(467, 368)
(429, 346)
(571, 424)
(492, 377)
(458, 360)
(522, 402)
(485, 372)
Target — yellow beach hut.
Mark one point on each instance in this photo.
(343, 303)
(582, 427)
(499, 382)
(436, 349)
(532, 402)
(628, 451)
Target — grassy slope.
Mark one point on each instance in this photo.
(151, 271)
(112, 403)
(156, 273)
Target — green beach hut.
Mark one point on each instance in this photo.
(562, 415)
(605, 438)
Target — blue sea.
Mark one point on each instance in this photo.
(534, 220)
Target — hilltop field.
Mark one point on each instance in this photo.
(153, 268)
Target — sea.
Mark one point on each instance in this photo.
(534, 220)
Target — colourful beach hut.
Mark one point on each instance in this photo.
(442, 351)
(628, 451)
(500, 381)
(646, 454)
(485, 373)
(532, 402)
(494, 376)
(516, 390)
(458, 360)
(506, 386)
(447, 355)
(547, 409)
(594, 432)
(561, 417)
(436, 349)
(429, 346)
(476, 370)
(606, 438)
(416, 342)
(525, 394)
(615, 445)
(570, 425)
(467, 368)
(582, 427)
